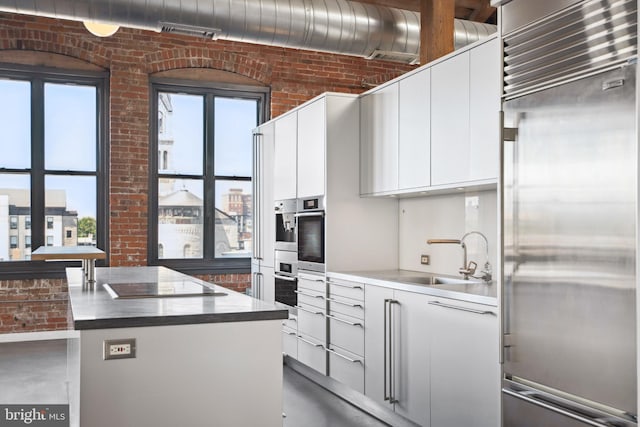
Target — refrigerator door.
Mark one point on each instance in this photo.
(569, 228)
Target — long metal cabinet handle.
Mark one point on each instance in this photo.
(345, 286)
(392, 376)
(254, 178)
(260, 287)
(287, 278)
(344, 357)
(299, 292)
(525, 396)
(455, 307)
(288, 333)
(343, 321)
(309, 342)
(388, 351)
(385, 353)
(309, 311)
(344, 303)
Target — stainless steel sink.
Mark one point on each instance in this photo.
(436, 280)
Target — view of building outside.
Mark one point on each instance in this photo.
(181, 200)
(69, 126)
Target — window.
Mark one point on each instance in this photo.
(27, 241)
(201, 183)
(13, 242)
(45, 116)
(69, 234)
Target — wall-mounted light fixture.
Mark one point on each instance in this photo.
(99, 29)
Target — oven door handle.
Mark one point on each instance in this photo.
(287, 278)
(309, 214)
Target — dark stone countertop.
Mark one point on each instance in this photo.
(96, 309)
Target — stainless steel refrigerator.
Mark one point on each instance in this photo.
(570, 209)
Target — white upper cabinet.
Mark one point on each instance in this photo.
(484, 103)
(414, 137)
(450, 120)
(379, 140)
(311, 149)
(285, 155)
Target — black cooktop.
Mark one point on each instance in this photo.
(177, 288)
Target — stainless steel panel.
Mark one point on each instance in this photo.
(518, 13)
(312, 322)
(590, 36)
(519, 413)
(569, 239)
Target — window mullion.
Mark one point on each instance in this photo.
(209, 179)
(37, 164)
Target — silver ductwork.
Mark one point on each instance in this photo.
(336, 26)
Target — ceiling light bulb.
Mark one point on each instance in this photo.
(99, 29)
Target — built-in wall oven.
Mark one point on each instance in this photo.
(285, 217)
(286, 281)
(310, 223)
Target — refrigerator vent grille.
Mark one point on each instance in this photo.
(586, 38)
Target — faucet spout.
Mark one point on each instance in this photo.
(468, 269)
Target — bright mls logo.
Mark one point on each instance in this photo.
(34, 415)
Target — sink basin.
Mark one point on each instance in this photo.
(436, 280)
(450, 281)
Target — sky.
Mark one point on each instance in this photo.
(70, 138)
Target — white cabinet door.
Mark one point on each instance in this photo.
(414, 138)
(450, 120)
(263, 224)
(263, 283)
(375, 351)
(311, 149)
(465, 373)
(379, 140)
(285, 155)
(484, 103)
(411, 357)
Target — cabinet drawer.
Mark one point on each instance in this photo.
(350, 307)
(289, 342)
(346, 332)
(312, 321)
(291, 322)
(312, 353)
(344, 288)
(312, 282)
(347, 368)
(311, 298)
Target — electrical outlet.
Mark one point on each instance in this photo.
(120, 349)
(424, 259)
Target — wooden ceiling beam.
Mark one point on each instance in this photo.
(436, 29)
(482, 12)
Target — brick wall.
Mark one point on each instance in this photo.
(131, 56)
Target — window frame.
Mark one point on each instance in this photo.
(38, 76)
(208, 264)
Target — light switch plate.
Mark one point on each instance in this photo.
(119, 349)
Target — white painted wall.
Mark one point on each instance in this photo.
(447, 216)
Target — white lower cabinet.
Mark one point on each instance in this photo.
(465, 372)
(290, 337)
(397, 351)
(346, 332)
(312, 321)
(347, 367)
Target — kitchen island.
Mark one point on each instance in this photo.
(160, 348)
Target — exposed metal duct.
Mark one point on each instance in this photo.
(336, 26)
